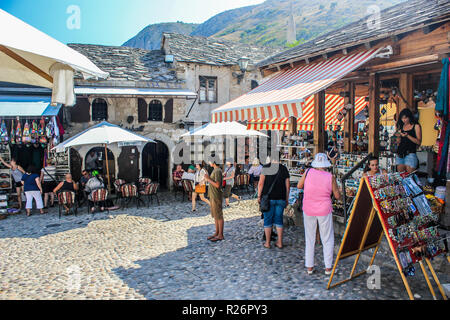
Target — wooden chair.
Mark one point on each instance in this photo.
(188, 187)
(150, 191)
(68, 199)
(99, 197)
(118, 183)
(143, 182)
(242, 181)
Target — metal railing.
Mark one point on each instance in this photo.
(344, 178)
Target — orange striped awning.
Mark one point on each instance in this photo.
(333, 104)
(286, 92)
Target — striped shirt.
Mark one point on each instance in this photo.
(51, 172)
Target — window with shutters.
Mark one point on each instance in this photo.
(208, 89)
(99, 110)
(168, 111)
(155, 111)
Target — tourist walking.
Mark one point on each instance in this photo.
(409, 137)
(318, 185)
(228, 177)
(200, 185)
(33, 190)
(48, 182)
(17, 173)
(215, 198)
(274, 182)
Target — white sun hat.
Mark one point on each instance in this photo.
(321, 161)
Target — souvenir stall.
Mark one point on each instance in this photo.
(29, 128)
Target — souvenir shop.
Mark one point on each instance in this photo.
(29, 128)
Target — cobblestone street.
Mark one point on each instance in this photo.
(161, 252)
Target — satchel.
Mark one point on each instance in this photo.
(264, 203)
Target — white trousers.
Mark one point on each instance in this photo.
(326, 235)
(37, 196)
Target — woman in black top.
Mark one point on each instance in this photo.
(277, 174)
(67, 185)
(409, 137)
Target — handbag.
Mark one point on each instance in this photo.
(200, 188)
(264, 203)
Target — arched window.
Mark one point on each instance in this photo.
(99, 110)
(155, 111)
(142, 111)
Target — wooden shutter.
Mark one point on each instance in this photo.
(168, 111)
(142, 110)
(80, 111)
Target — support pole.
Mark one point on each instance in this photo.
(319, 121)
(427, 279)
(406, 88)
(349, 122)
(374, 114)
(436, 278)
(107, 169)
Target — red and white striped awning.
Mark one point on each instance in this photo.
(283, 95)
(333, 104)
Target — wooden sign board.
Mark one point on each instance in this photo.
(365, 229)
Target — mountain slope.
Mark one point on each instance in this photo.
(150, 37)
(266, 24)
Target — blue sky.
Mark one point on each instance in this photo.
(111, 22)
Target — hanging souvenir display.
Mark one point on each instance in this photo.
(26, 138)
(41, 132)
(19, 133)
(12, 138)
(34, 132)
(4, 133)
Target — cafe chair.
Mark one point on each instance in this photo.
(143, 182)
(99, 198)
(68, 199)
(150, 191)
(129, 192)
(242, 181)
(188, 187)
(118, 183)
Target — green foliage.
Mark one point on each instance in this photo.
(296, 43)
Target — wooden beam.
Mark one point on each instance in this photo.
(405, 62)
(26, 63)
(406, 88)
(349, 121)
(374, 114)
(319, 121)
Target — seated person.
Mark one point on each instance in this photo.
(255, 172)
(94, 183)
(177, 174)
(67, 185)
(246, 167)
(190, 174)
(84, 178)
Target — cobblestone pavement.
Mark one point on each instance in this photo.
(161, 252)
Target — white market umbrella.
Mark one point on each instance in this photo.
(29, 56)
(223, 129)
(104, 134)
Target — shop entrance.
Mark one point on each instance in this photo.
(98, 153)
(128, 163)
(155, 163)
(75, 164)
(28, 155)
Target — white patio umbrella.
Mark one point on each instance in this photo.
(223, 129)
(103, 134)
(29, 56)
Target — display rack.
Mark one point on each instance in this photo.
(296, 153)
(62, 164)
(5, 178)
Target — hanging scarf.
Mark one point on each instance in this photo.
(442, 105)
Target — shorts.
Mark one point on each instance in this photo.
(409, 160)
(216, 208)
(227, 191)
(48, 186)
(18, 184)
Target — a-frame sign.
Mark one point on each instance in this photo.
(365, 228)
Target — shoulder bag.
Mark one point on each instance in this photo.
(264, 203)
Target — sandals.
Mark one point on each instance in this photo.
(267, 247)
(211, 237)
(216, 239)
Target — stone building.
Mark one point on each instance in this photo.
(159, 94)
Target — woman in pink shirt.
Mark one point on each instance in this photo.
(318, 186)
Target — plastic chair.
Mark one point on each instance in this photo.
(150, 191)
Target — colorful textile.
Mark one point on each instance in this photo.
(66, 197)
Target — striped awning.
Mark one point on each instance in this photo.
(283, 95)
(333, 104)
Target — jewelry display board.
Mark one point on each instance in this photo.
(393, 205)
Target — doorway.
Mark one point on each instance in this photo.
(155, 163)
(76, 163)
(128, 163)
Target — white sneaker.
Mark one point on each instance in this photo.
(310, 272)
(328, 272)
